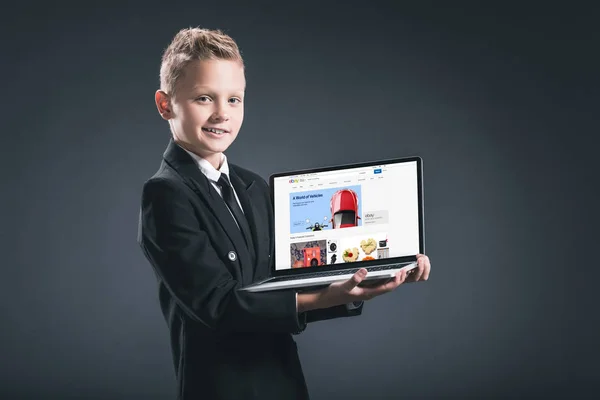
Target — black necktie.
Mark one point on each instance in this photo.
(231, 201)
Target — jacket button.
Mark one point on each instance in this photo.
(232, 256)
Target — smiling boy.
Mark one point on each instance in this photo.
(206, 227)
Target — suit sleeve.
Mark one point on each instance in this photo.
(343, 311)
(182, 256)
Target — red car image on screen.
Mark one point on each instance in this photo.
(344, 209)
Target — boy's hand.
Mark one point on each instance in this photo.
(349, 291)
(421, 273)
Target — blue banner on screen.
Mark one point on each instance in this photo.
(325, 209)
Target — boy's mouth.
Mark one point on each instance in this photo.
(215, 131)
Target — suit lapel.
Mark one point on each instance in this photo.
(257, 211)
(242, 190)
(191, 174)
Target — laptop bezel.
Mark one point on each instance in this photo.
(355, 264)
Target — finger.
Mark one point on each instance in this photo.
(367, 293)
(427, 270)
(423, 256)
(410, 275)
(394, 282)
(416, 272)
(424, 267)
(355, 280)
(403, 276)
(398, 280)
(419, 270)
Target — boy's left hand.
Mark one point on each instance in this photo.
(421, 272)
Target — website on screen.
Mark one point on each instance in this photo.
(344, 216)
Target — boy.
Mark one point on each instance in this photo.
(206, 226)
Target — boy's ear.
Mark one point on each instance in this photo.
(163, 104)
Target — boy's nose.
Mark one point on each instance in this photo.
(220, 115)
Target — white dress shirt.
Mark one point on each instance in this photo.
(213, 174)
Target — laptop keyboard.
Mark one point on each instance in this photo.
(333, 273)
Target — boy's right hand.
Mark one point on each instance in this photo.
(349, 291)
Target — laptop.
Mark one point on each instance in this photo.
(332, 221)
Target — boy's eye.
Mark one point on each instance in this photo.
(235, 100)
(203, 98)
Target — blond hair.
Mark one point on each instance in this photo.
(194, 44)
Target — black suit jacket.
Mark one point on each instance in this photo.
(226, 344)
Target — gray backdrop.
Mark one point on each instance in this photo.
(501, 104)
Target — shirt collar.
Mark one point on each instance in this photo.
(206, 167)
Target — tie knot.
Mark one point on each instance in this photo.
(223, 181)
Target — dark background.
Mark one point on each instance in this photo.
(501, 104)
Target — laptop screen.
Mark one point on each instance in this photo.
(346, 215)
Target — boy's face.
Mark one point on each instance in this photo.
(207, 109)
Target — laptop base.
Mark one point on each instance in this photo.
(320, 280)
